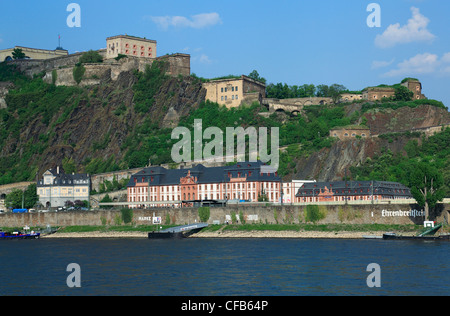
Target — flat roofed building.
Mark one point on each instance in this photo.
(232, 92)
(33, 53)
(56, 187)
(378, 93)
(130, 46)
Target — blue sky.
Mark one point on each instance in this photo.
(289, 41)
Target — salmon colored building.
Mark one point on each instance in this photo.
(160, 187)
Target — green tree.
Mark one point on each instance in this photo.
(402, 93)
(14, 199)
(91, 56)
(29, 197)
(335, 92)
(18, 53)
(322, 90)
(426, 183)
(255, 75)
(204, 213)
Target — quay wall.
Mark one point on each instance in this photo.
(332, 214)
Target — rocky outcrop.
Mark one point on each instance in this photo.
(383, 121)
(4, 89)
(104, 117)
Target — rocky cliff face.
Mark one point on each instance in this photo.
(332, 164)
(405, 118)
(99, 124)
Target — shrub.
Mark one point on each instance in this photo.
(78, 73)
(106, 199)
(313, 213)
(127, 215)
(204, 213)
(91, 56)
(54, 76)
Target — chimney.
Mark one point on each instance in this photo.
(57, 169)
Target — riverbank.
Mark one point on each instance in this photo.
(98, 234)
(225, 234)
(285, 234)
(323, 231)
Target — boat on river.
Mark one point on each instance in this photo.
(427, 234)
(19, 235)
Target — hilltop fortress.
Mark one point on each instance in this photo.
(124, 53)
(58, 69)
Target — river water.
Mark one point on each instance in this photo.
(223, 267)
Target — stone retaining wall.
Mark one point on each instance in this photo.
(355, 214)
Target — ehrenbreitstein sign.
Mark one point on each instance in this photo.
(399, 213)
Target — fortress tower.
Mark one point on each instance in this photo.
(130, 46)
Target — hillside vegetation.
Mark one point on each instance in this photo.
(123, 124)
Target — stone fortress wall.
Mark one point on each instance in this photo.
(58, 68)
